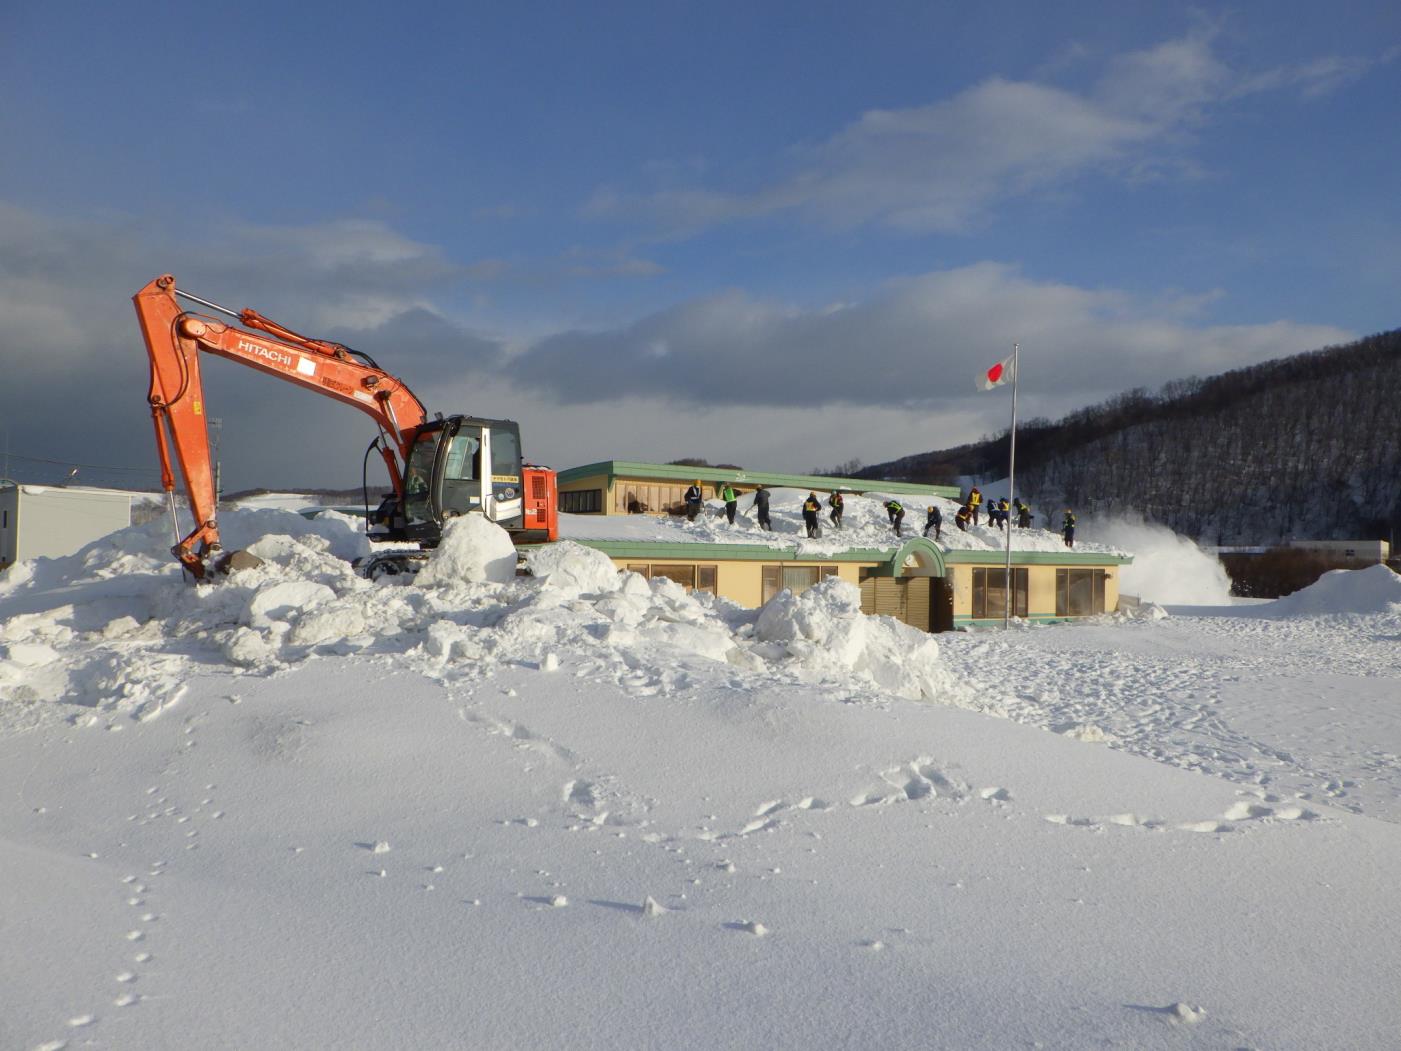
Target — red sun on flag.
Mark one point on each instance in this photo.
(1002, 372)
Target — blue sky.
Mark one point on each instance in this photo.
(782, 235)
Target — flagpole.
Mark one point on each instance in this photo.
(1012, 490)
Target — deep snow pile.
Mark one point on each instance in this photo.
(472, 551)
(1375, 589)
(114, 627)
(824, 632)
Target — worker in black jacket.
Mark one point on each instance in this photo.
(933, 519)
(761, 506)
(836, 503)
(693, 501)
(811, 507)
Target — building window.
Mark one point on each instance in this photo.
(990, 593)
(640, 498)
(796, 579)
(683, 575)
(582, 502)
(690, 577)
(1079, 592)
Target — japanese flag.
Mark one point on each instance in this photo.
(1002, 372)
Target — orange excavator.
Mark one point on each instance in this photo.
(439, 468)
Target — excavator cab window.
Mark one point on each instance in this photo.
(418, 479)
(505, 463)
(462, 473)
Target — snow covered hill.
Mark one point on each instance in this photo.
(585, 810)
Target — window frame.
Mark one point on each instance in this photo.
(699, 572)
(1072, 580)
(774, 578)
(984, 585)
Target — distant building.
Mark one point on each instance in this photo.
(1363, 552)
(620, 487)
(48, 520)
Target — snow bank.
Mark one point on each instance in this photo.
(117, 629)
(1375, 589)
(825, 634)
(473, 550)
(573, 567)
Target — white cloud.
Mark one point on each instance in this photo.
(726, 377)
(915, 345)
(944, 166)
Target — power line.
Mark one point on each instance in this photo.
(88, 466)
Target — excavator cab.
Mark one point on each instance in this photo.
(459, 465)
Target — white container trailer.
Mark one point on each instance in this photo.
(52, 520)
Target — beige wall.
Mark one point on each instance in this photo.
(962, 577)
(593, 481)
(1041, 591)
(1041, 588)
(743, 582)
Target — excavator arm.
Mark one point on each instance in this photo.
(175, 338)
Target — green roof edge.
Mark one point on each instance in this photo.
(893, 556)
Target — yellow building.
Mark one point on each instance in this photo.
(933, 586)
(916, 581)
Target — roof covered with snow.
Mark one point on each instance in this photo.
(866, 533)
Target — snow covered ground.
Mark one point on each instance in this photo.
(301, 809)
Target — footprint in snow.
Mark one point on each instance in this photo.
(1178, 1013)
(753, 927)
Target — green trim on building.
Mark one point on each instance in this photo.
(962, 620)
(890, 560)
(672, 473)
(1037, 558)
(725, 552)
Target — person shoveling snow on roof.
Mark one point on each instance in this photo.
(761, 507)
(811, 506)
(693, 501)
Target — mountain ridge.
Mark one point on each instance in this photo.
(1303, 446)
